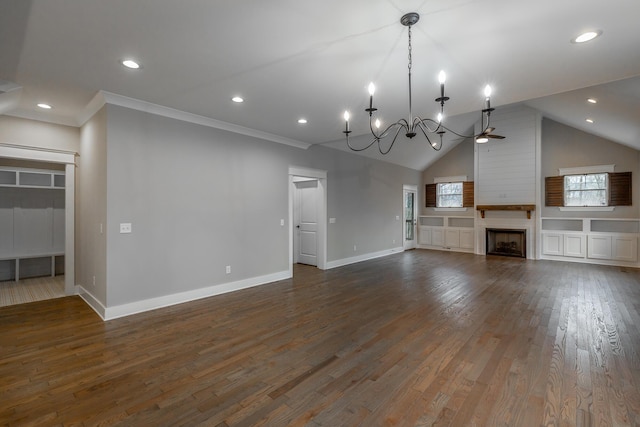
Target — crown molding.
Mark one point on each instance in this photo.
(103, 97)
(22, 152)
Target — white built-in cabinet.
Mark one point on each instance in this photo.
(594, 240)
(446, 233)
(32, 223)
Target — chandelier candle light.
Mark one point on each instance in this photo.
(426, 126)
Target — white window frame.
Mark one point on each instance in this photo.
(606, 191)
(460, 194)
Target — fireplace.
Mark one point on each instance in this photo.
(507, 242)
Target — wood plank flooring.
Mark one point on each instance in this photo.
(420, 338)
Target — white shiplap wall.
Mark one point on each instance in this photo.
(506, 169)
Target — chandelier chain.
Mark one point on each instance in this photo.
(410, 59)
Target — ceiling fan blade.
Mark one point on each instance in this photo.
(494, 136)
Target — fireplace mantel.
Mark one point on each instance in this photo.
(527, 208)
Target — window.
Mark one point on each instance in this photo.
(449, 195)
(601, 189)
(452, 194)
(586, 190)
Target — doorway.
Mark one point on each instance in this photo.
(66, 158)
(305, 221)
(410, 213)
(307, 217)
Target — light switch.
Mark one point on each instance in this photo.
(125, 227)
(332, 220)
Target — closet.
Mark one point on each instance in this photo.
(32, 223)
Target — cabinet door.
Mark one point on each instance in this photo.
(467, 240)
(424, 236)
(574, 245)
(599, 247)
(552, 244)
(437, 237)
(452, 238)
(625, 248)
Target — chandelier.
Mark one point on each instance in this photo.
(412, 125)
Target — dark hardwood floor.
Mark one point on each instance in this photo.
(420, 338)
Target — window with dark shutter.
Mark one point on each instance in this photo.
(619, 190)
(467, 196)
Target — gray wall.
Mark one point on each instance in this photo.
(566, 147)
(458, 161)
(201, 198)
(91, 211)
(39, 134)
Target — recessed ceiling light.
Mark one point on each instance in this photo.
(587, 36)
(237, 99)
(45, 106)
(589, 120)
(130, 63)
(302, 121)
(592, 100)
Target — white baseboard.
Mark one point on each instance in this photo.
(91, 301)
(110, 313)
(363, 257)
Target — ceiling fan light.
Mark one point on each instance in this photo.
(482, 139)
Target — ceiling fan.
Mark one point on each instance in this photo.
(484, 136)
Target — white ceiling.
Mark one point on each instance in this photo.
(292, 59)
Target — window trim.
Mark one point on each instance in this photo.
(585, 170)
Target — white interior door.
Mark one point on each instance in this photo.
(410, 224)
(306, 222)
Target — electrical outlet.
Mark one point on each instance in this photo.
(94, 280)
(125, 227)
(354, 248)
(228, 269)
(281, 222)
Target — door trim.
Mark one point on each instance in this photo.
(321, 176)
(411, 189)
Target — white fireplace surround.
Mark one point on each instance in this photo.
(506, 221)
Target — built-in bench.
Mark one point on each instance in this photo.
(55, 264)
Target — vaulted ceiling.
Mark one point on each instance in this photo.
(291, 59)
